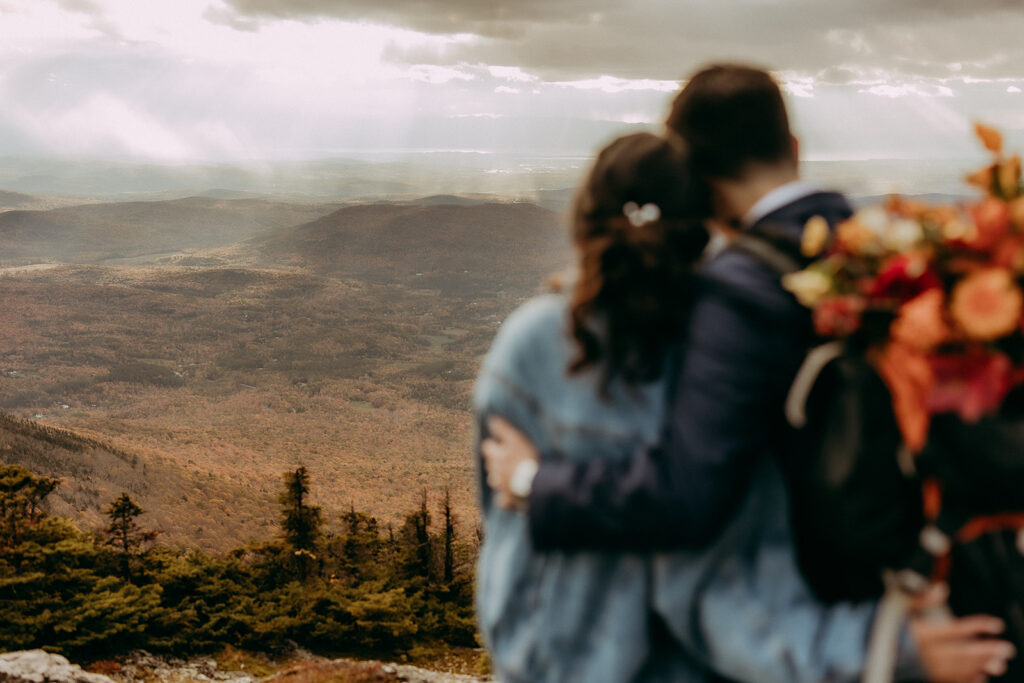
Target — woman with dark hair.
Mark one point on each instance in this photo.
(584, 373)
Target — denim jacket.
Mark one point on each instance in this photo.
(565, 616)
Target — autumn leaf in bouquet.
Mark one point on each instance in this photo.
(931, 293)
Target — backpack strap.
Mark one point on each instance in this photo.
(768, 253)
(775, 248)
(769, 244)
(814, 362)
(884, 637)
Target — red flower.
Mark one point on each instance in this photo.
(903, 277)
(838, 317)
(1010, 253)
(972, 384)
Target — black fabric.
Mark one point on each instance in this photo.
(854, 510)
(981, 467)
(987, 577)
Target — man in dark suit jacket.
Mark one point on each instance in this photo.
(747, 338)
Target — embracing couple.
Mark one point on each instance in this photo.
(633, 444)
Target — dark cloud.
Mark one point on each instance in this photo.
(665, 39)
(486, 18)
(495, 19)
(225, 17)
(96, 14)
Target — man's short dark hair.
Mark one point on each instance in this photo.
(732, 115)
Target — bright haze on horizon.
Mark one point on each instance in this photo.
(247, 80)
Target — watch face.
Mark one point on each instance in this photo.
(522, 478)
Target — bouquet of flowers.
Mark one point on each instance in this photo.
(934, 294)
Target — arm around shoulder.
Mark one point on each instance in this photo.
(735, 368)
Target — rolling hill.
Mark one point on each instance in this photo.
(461, 250)
(94, 233)
(183, 507)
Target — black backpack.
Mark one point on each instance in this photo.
(861, 504)
(855, 511)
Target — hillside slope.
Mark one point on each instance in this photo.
(93, 473)
(473, 250)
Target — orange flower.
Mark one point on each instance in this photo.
(991, 221)
(919, 323)
(990, 137)
(909, 377)
(987, 304)
(853, 237)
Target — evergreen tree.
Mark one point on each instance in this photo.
(449, 538)
(54, 594)
(124, 534)
(21, 497)
(416, 556)
(70, 592)
(359, 548)
(301, 523)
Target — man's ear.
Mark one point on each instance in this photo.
(721, 202)
(795, 145)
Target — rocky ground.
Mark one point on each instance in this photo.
(141, 667)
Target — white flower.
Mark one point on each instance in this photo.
(902, 234)
(815, 236)
(874, 218)
(809, 286)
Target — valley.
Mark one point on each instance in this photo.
(221, 342)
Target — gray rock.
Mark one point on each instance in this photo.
(39, 666)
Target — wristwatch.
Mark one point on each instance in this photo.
(521, 482)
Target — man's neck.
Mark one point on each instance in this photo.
(735, 198)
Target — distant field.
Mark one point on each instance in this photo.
(320, 344)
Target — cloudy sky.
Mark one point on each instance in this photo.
(178, 80)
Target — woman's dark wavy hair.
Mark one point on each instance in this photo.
(630, 300)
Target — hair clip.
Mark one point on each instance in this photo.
(641, 215)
